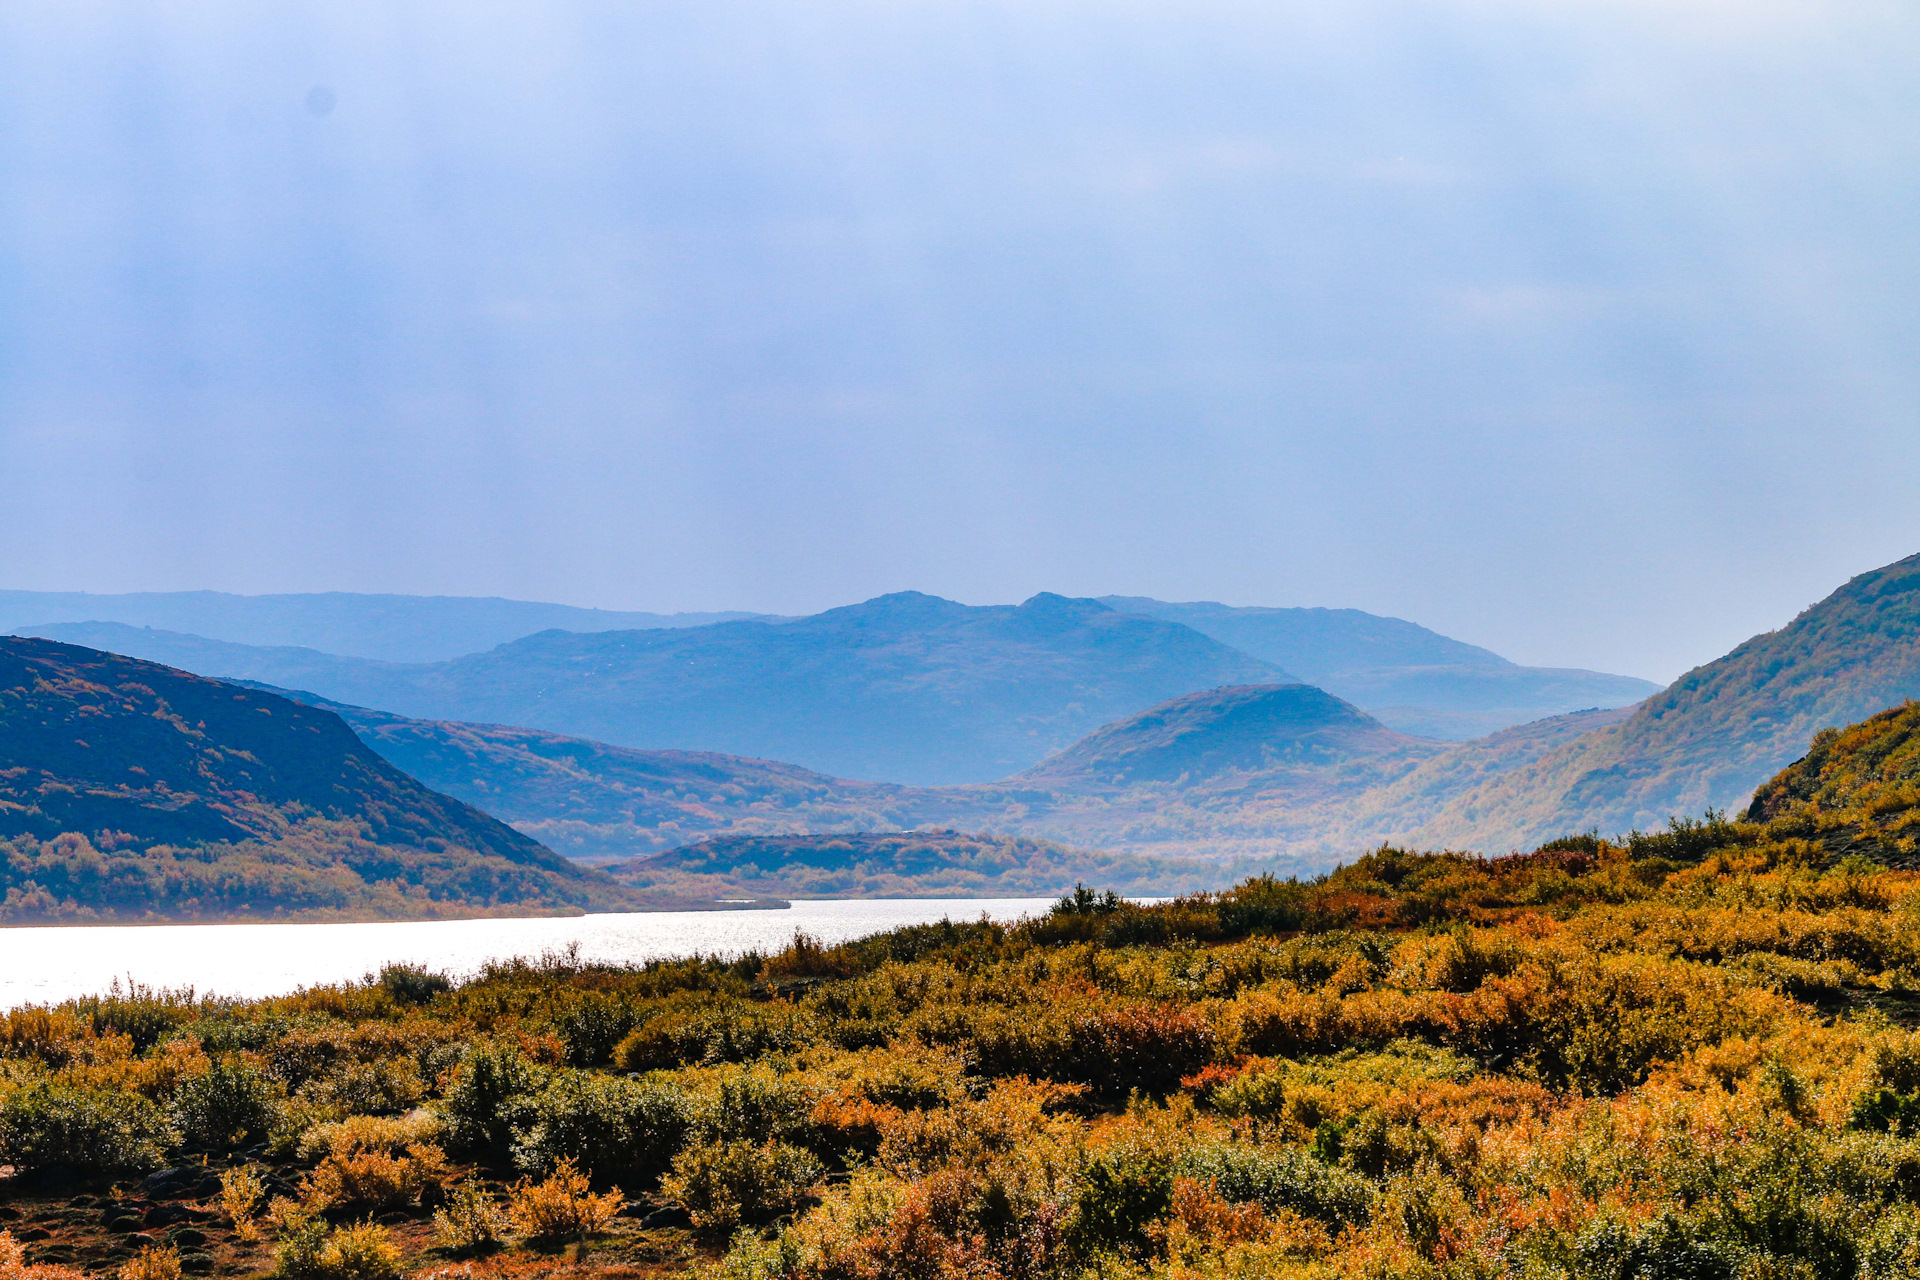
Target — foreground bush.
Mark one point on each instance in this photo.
(50, 1126)
(562, 1206)
(727, 1184)
(229, 1105)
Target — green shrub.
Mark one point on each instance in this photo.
(1278, 1178)
(1119, 1196)
(728, 1031)
(412, 983)
(490, 1094)
(225, 1107)
(58, 1126)
(611, 1128)
(593, 1028)
(726, 1184)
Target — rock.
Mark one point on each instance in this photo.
(188, 1236)
(139, 1240)
(197, 1264)
(635, 1209)
(121, 1220)
(30, 1234)
(393, 1217)
(670, 1216)
(9, 1214)
(207, 1187)
(165, 1215)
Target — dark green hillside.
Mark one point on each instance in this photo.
(1411, 679)
(902, 688)
(1719, 732)
(129, 791)
(909, 864)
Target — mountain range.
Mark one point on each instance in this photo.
(131, 791)
(903, 688)
(1284, 773)
(1407, 677)
(387, 627)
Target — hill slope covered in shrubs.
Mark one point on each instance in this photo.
(1686, 1054)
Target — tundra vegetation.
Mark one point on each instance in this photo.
(1689, 1053)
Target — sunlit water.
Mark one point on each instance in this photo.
(41, 965)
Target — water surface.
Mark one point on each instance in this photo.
(43, 965)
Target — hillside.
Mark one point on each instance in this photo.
(1856, 791)
(1223, 737)
(1718, 732)
(908, 864)
(132, 791)
(1406, 676)
(387, 627)
(1281, 775)
(903, 688)
(1689, 1055)
(597, 802)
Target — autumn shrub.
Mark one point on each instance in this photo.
(154, 1262)
(412, 984)
(1113, 1047)
(470, 1221)
(725, 1184)
(608, 1127)
(369, 1133)
(381, 1087)
(376, 1180)
(242, 1193)
(754, 1102)
(50, 1125)
(562, 1205)
(14, 1264)
(1278, 1179)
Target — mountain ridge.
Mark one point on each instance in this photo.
(129, 790)
(905, 687)
(1719, 731)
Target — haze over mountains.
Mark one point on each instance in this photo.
(1409, 678)
(903, 688)
(1268, 769)
(388, 627)
(1286, 775)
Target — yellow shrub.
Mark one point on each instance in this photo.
(470, 1222)
(13, 1264)
(376, 1179)
(361, 1252)
(242, 1192)
(563, 1205)
(152, 1263)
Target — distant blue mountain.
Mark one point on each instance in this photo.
(1409, 678)
(390, 628)
(903, 688)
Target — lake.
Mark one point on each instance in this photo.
(45, 965)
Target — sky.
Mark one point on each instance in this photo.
(1584, 330)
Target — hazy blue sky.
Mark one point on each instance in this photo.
(1586, 331)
